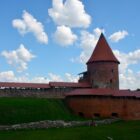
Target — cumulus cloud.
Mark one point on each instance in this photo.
(70, 13)
(18, 58)
(9, 76)
(127, 59)
(129, 80)
(67, 77)
(64, 36)
(30, 24)
(39, 79)
(87, 44)
(70, 78)
(117, 36)
(54, 77)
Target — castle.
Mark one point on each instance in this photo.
(96, 94)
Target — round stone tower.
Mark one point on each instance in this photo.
(102, 67)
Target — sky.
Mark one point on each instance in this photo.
(51, 40)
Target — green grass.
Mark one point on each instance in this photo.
(21, 110)
(117, 131)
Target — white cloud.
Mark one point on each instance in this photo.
(39, 79)
(64, 36)
(20, 25)
(117, 36)
(9, 76)
(98, 31)
(127, 59)
(30, 24)
(71, 78)
(130, 80)
(67, 77)
(54, 77)
(70, 13)
(87, 44)
(18, 58)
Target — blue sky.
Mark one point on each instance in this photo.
(51, 40)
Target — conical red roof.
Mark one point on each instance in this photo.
(102, 52)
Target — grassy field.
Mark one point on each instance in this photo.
(20, 110)
(116, 131)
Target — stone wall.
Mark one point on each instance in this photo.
(40, 93)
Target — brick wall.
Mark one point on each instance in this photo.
(103, 106)
(104, 75)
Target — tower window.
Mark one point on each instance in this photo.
(112, 70)
(111, 80)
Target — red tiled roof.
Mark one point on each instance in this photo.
(69, 84)
(104, 92)
(90, 91)
(23, 85)
(43, 85)
(102, 52)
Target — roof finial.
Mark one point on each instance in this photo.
(102, 30)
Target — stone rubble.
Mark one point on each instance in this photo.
(55, 124)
